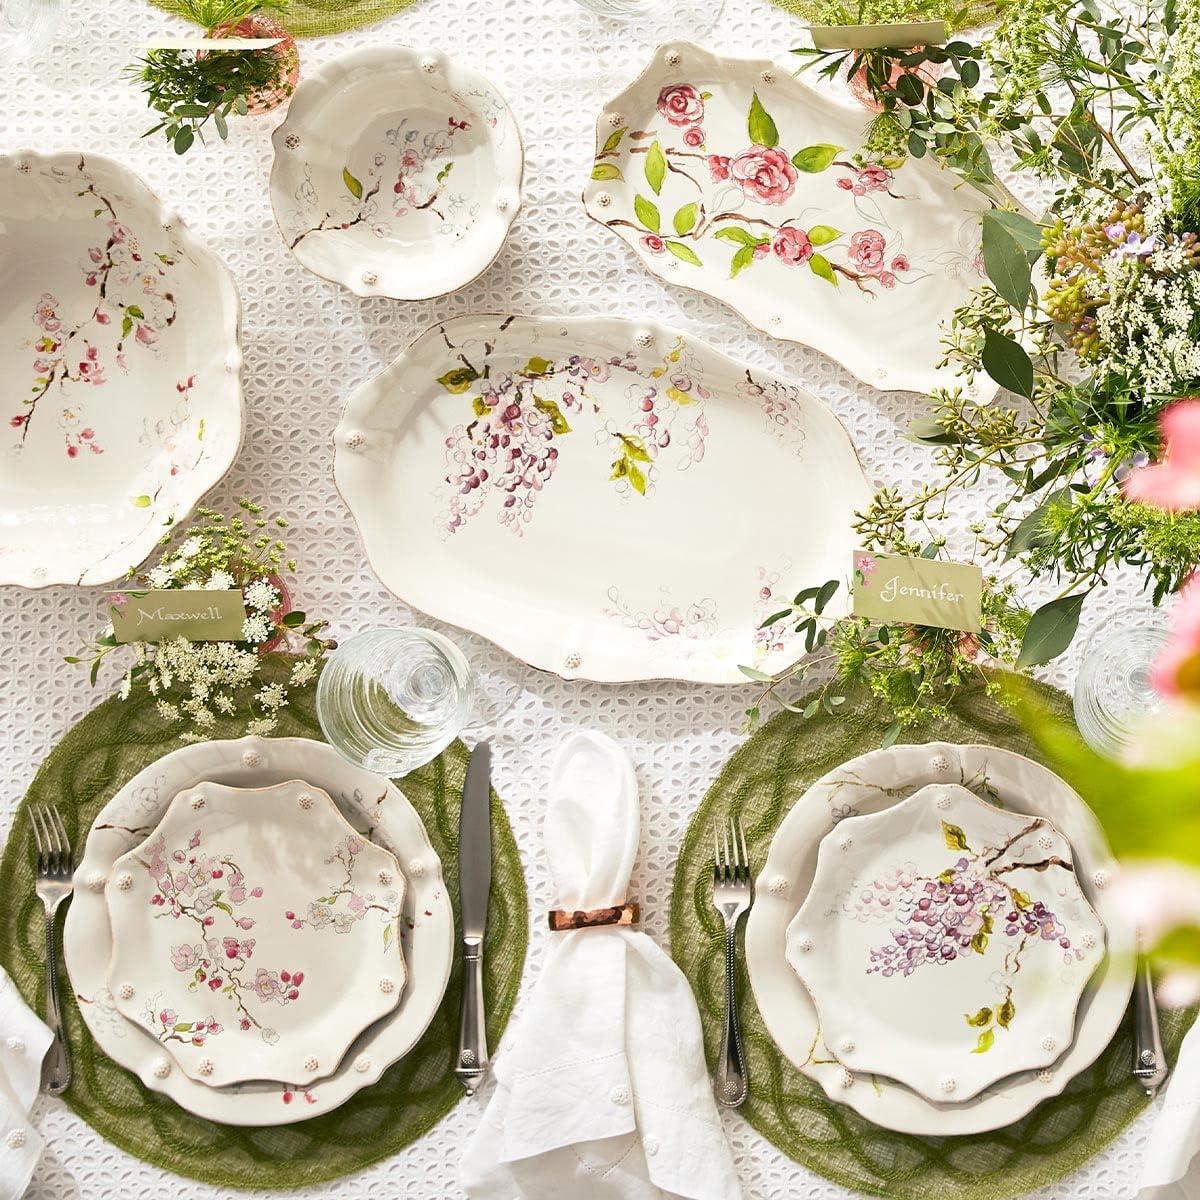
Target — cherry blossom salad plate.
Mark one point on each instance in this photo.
(875, 783)
(119, 337)
(397, 173)
(734, 177)
(254, 933)
(564, 488)
(945, 942)
(376, 809)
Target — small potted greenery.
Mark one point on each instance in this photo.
(195, 89)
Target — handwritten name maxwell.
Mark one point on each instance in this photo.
(894, 589)
(162, 613)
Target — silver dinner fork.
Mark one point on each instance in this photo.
(732, 896)
(54, 869)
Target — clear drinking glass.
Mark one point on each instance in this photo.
(391, 700)
(650, 22)
(1113, 689)
(27, 27)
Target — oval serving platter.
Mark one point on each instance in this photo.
(607, 500)
(733, 177)
(119, 345)
(397, 173)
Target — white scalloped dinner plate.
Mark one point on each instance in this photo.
(397, 172)
(605, 499)
(737, 178)
(120, 366)
(375, 807)
(872, 783)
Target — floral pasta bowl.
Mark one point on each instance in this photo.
(255, 933)
(120, 363)
(946, 943)
(735, 178)
(397, 173)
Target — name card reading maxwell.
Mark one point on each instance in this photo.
(157, 616)
(918, 591)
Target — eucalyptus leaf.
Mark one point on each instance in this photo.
(1050, 630)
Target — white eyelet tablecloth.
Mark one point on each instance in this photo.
(307, 344)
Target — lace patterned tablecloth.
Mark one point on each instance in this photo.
(307, 344)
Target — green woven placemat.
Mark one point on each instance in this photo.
(791, 1111)
(313, 18)
(97, 756)
(955, 13)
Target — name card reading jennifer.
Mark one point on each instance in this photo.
(157, 616)
(898, 36)
(918, 591)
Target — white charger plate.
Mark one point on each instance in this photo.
(737, 178)
(871, 783)
(945, 942)
(120, 366)
(602, 498)
(372, 805)
(255, 933)
(397, 172)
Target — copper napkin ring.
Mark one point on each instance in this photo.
(562, 919)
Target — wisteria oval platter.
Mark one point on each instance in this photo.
(734, 177)
(873, 783)
(376, 808)
(121, 366)
(255, 933)
(397, 173)
(605, 499)
(945, 942)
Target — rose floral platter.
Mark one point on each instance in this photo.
(733, 177)
(875, 783)
(945, 942)
(255, 933)
(378, 811)
(119, 342)
(601, 498)
(397, 173)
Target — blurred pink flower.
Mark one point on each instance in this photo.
(1174, 482)
(1177, 669)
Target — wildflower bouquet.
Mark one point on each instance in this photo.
(196, 681)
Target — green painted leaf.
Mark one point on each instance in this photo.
(979, 943)
(1006, 263)
(353, 186)
(740, 261)
(637, 479)
(822, 235)
(647, 213)
(134, 311)
(685, 218)
(656, 167)
(815, 158)
(606, 171)
(537, 366)
(142, 502)
(981, 1018)
(820, 265)
(458, 379)
(613, 140)
(686, 253)
(1006, 1012)
(479, 405)
(743, 237)
(986, 1040)
(557, 421)
(1005, 360)
(954, 837)
(1050, 630)
(635, 448)
(760, 124)
(1021, 899)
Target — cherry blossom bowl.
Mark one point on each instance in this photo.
(119, 345)
(255, 933)
(397, 173)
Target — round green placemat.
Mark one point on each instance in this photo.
(313, 18)
(96, 757)
(955, 13)
(760, 783)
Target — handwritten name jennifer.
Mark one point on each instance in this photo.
(894, 589)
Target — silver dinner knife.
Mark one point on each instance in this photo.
(1149, 1062)
(474, 888)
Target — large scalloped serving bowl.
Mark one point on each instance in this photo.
(119, 369)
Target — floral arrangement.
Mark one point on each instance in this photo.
(197, 682)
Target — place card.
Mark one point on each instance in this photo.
(195, 614)
(901, 35)
(918, 591)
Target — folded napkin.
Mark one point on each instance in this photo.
(24, 1041)
(1172, 1168)
(603, 1092)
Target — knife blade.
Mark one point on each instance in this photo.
(474, 890)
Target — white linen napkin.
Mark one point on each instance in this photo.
(603, 1093)
(24, 1041)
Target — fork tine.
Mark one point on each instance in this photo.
(737, 862)
(728, 858)
(716, 855)
(65, 862)
(745, 855)
(40, 839)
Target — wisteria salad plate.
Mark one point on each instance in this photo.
(734, 177)
(603, 498)
(255, 933)
(120, 364)
(397, 173)
(945, 942)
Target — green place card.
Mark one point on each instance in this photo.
(156, 616)
(898, 36)
(918, 591)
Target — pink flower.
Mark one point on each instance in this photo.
(764, 173)
(866, 251)
(865, 563)
(887, 279)
(792, 245)
(146, 335)
(183, 958)
(46, 315)
(1177, 669)
(718, 166)
(680, 103)
(874, 178)
(654, 243)
(900, 262)
(1172, 483)
(693, 137)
